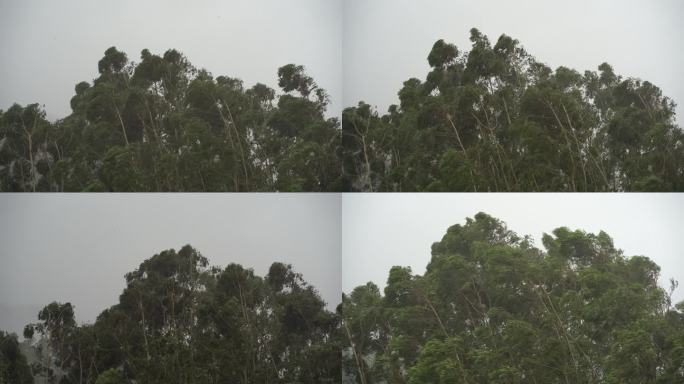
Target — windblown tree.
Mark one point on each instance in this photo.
(56, 325)
(180, 321)
(14, 367)
(496, 119)
(492, 308)
(163, 125)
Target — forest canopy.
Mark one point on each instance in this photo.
(14, 367)
(164, 125)
(493, 308)
(494, 118)
(181, 321)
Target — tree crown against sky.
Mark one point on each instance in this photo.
(180, 321)
(496, 119)
(492, 308)
(164, 125)
(490, 119)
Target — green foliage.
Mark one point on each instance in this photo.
(110, 376)
(496, 119)
(163, 125)
(180, 321)
(14, 368)
(492, 308)
(489, 119)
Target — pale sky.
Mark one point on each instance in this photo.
(49, 46)
(78, 247)
(383, 230)
(386, 42)
(356, 49)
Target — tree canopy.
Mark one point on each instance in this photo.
(14, 367)
(492, 308)
(180, 321)
(163, 125)
(493, 118)
(496, 119)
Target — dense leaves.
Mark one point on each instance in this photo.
(163, 125)
(180, 321)
(489, 119)
(496, 119)
(492, 308)
(14, 368)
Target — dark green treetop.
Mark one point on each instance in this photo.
(495, 119)
(164, 125)
(492, 308)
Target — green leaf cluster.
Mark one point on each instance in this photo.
(164, 125)
(180, 321)
(492, 308)
(496, 119)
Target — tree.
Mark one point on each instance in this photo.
(56, 324)
(164, 125)
(24, 149)
(110, 376)
(14, 368)
(180, 321)
(496, 119)
(492, 308)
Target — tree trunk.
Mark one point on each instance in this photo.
(359, 366)
(144, 328)
(123, 128)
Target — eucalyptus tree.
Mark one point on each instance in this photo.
(24, 149)
(496, 119)
(178, 320)
(492, 308)
(164, 125)
(14, 367)
(56, 323)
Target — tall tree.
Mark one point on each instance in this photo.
(164, 125)
(492, 308)
(180, 321)
(14, 368)
(496, 119)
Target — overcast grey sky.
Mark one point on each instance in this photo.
(78, 247)
(386, 42)
(49, 46)
(383, 230)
